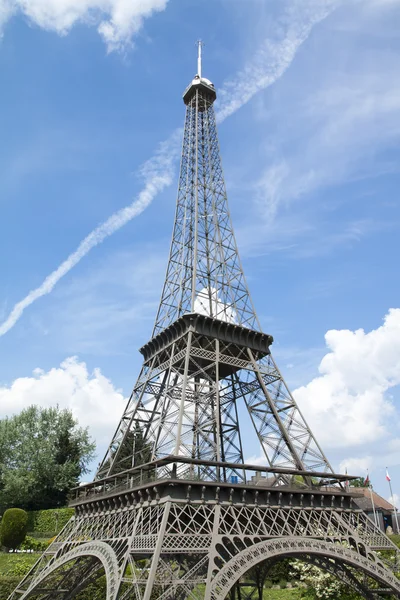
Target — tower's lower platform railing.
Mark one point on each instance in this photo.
(187, 470)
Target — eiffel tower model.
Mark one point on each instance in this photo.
(174, 513)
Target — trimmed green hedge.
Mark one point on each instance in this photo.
(13, 528)
(48, 522)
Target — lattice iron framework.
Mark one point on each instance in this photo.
(173, 512)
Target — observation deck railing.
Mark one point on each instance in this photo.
(185, 469)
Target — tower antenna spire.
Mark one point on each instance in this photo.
(200, 44)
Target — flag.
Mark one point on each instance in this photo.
(387, 475)
(366, 481)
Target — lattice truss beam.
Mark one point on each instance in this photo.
(190, 549)
(204, 272)
(186, 403)
(186, 398)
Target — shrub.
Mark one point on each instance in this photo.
(49, 522)
(8, 585)
(280, 570)
(13, 528)
(395, 538)
(20, 568)
(268, 584)
(282, 584)
(94, 591)
(33, 544)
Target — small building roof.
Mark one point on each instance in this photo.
(365, 501)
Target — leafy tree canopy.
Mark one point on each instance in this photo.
(133, 451)
(43, 453)
(360, 482)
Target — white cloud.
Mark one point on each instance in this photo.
(355, 466)
(6, 11)
(207, 296)
(336, 128)
(257, 460)
(91, 397)
(117, 21)
(347, 405)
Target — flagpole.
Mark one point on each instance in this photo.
(395, 509)
(373, 506)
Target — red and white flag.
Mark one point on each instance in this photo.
(387, 475)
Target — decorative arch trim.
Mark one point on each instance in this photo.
(100, 550)
(285, 547)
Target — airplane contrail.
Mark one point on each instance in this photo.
(158, 174)
(273, 57)
(268, 64)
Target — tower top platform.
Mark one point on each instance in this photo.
(201, 84)
(211, 327)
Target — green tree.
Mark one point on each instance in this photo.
(258, 575)
(43, 453)
(132, 452)
(360, 482)
(13, 528)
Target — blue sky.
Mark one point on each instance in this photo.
(309, 110)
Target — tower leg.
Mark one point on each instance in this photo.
(157, 552)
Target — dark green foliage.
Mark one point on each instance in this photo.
(142, 451)
(49, 522)
(94, 591)
(395, 539)
(277, 573)
(283, 584)
(280, 570)
(13, 528)
(33, 544)
(133, 452)
(43, 453)
(357, 483)
(20, 567)
(268, 584)
(258, 575)
(7, 586)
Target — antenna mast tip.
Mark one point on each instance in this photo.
(200, 44)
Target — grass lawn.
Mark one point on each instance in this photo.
(292, 594)
(8, 561)
(288, 594)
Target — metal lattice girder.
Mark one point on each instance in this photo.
(195, 374)
(204, 273)
(172, 513)
(190, 540)
(194, 382)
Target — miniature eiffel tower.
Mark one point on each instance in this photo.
(174, 513)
